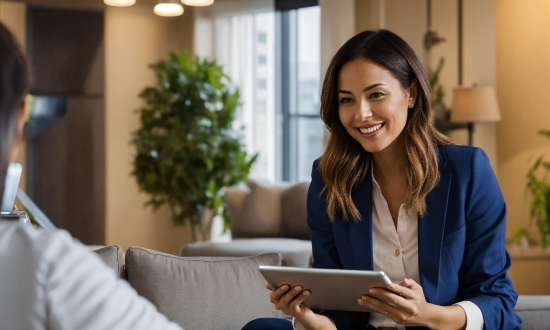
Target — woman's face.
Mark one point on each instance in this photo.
(372, 104)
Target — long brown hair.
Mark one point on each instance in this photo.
(344, 164)
(14, 80)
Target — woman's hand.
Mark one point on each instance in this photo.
(406, 304)
(289, 301)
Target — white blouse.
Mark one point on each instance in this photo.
(396, 253)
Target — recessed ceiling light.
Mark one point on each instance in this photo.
(119, 3)
(168, 8)
(197, 2)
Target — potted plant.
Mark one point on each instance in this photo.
(187, 149)
(538, 186)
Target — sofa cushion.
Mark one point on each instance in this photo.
(112, 256)
(295, 252)
(203, 292)
(261, 213)
(294, 211)
(534, 311)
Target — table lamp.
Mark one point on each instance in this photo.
(477, 104)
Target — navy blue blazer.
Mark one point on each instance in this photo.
(461, 240)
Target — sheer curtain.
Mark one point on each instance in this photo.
(240, 36)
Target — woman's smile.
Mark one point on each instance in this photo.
(370, 130)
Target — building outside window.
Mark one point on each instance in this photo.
(302, 131)
(274, 60)
(262, 59)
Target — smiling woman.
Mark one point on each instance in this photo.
(390, 193)
(374, 115)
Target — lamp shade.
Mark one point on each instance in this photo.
(197, 2)
(168, 8)
(119, 3)
(475, 104)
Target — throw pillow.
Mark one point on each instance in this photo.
(203, 292)
(261, 211)
(294, 212)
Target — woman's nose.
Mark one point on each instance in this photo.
(364, 111)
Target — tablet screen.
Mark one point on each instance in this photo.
(332, 289)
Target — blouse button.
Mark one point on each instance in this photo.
(396, 252)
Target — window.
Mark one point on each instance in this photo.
(301, 130)
(274, 60)
(262, 59)
(262, 84)
(262, 37)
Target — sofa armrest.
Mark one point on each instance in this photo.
(113, 257)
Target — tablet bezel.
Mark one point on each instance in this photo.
(331, 289)
(13, 175)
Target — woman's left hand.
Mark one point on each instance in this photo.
(404, 303)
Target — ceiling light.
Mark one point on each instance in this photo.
(197, 2)
(168, 8)
(119, 3)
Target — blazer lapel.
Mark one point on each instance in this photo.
(430, 233)
(360, 232)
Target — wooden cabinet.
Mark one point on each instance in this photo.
(530, 270)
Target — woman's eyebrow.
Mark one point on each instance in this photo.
(343, 91)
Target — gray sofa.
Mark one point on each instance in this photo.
(201, 293)
(264, 218)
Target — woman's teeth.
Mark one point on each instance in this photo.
(370, 129)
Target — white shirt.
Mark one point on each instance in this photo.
(396, 253)
(49, 281)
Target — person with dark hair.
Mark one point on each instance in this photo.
(47, 280)
(391, 193)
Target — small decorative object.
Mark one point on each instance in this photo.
(187, 149)
(538, 185)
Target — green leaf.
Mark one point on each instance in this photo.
(186, 148)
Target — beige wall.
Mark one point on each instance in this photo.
(408, 18)
(135, 38)
(523, 80)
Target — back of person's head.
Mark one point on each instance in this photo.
(14, 80)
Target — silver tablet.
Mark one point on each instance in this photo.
(10, 190)
(333, 289)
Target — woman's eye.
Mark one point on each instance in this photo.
(376, 95)
(345, 100)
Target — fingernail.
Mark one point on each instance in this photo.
(298, 288)
(284, 287)
(306, 293)
(360, 301)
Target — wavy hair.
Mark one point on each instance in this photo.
(344, 163)
(14, 81)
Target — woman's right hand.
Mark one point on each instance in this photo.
(289, 301)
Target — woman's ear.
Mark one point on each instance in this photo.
(413, 94)
(21, 119)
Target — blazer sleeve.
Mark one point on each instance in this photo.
(484, 279)
(325, 252)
